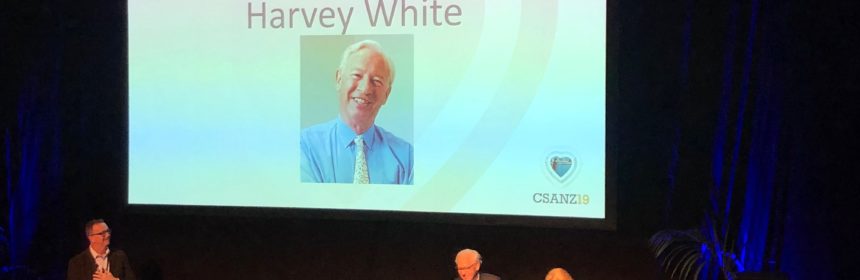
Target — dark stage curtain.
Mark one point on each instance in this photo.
(63, 132)
(32, 141)
(724, 132)
(746, 126)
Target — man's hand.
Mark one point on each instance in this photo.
(103, 275)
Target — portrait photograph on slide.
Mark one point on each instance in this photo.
(357, 86)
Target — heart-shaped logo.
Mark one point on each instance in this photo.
(561, 166)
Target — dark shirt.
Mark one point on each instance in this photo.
(483, 276)
(83, 266)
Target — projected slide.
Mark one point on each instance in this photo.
(444, 106)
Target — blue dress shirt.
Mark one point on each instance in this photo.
(328, 155)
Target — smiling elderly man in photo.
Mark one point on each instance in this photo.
(351, 148)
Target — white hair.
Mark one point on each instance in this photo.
(371, 45)
(477, 255)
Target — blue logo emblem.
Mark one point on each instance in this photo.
(561, 166)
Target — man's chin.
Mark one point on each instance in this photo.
(362, 116)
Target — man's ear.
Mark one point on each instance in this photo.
(387, 94)
(337, 78)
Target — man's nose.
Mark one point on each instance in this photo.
(364, 85)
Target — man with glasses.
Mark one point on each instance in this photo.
(98, 262)
(468, 264)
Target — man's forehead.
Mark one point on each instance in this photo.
(466, 257)
(100, 226)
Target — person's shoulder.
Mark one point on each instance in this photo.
(393, 140)
(118, 253)
(320, 127)
(78, 265)
(80, 257)
(487, 276)
(318, 130)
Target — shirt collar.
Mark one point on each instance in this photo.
(94, 254)
(345, 135)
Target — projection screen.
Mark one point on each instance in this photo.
(482, 107)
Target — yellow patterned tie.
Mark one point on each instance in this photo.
(360, 176)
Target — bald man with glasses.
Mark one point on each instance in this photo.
(98, 262)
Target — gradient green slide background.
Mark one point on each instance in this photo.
(215, 108)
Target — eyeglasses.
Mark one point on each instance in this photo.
(103, 233)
